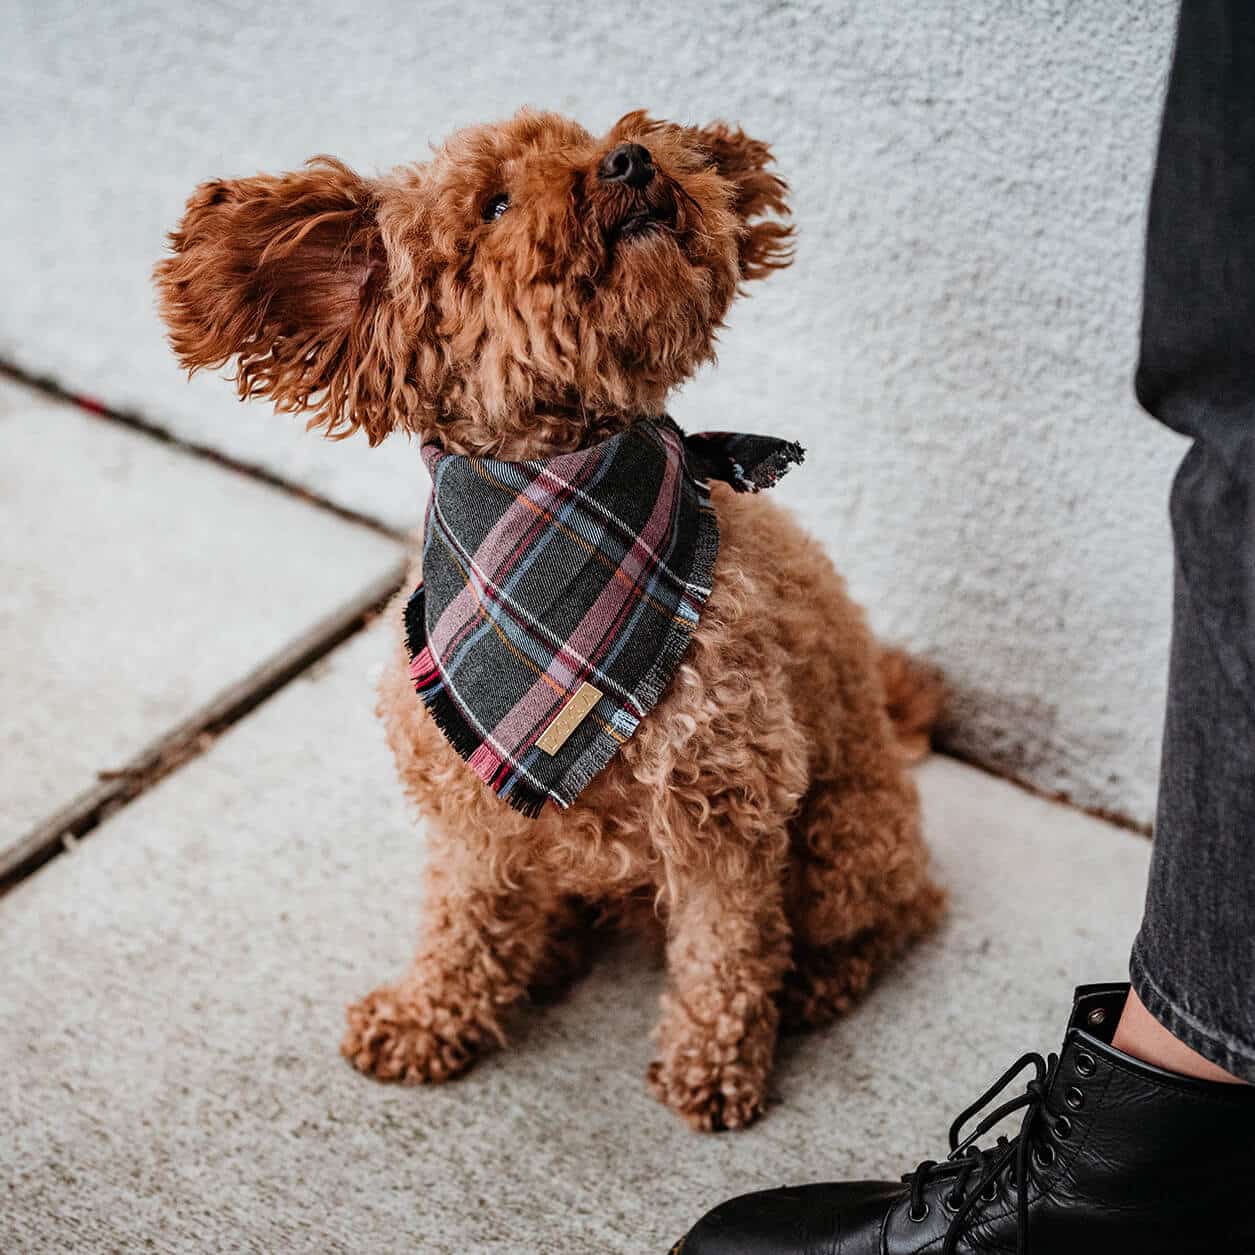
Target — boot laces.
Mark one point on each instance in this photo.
(968, 1165)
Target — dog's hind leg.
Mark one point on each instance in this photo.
(568, 951)
(826, 981)
(860, 892)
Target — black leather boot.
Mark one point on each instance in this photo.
(1112, 1155)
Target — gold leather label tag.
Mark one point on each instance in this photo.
(577, 708)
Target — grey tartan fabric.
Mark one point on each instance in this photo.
(543, 576)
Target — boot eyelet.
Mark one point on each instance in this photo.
(1044, 1154)
(1063, 1127)
(1074, 1097)
(919, 1218)
(1086, 1064)
(991, 1191)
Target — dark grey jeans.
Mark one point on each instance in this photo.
(1193, 963)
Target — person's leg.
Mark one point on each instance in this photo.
(1132, 1140)
(1193, 964)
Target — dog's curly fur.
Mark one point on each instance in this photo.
(764, 809)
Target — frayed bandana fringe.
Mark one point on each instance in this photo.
(541, 578)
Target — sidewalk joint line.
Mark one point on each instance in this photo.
(189, 739)
(154, 431)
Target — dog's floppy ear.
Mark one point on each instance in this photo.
(760, 196)
(285, 275)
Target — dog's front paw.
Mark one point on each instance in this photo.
(715, 1076)
(710, 1097)
(397, 1035)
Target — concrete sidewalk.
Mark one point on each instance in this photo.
(174, 1001)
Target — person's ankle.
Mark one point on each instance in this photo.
(1141, 1035)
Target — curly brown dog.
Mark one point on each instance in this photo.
(493, 300)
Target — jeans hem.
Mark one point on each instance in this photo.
(1220, 1048)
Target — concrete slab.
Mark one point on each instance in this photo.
(136, 582)
(174, 991)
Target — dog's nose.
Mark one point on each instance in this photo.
(627, 163)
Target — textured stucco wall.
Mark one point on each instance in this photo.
(955, 343)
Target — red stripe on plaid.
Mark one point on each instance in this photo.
(484, 763)
(423, 669)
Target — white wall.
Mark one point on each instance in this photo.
(955, 343)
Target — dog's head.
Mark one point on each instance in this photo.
(527, 287)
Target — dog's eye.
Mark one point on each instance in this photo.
(496, 207)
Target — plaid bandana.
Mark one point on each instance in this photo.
(560, 594)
